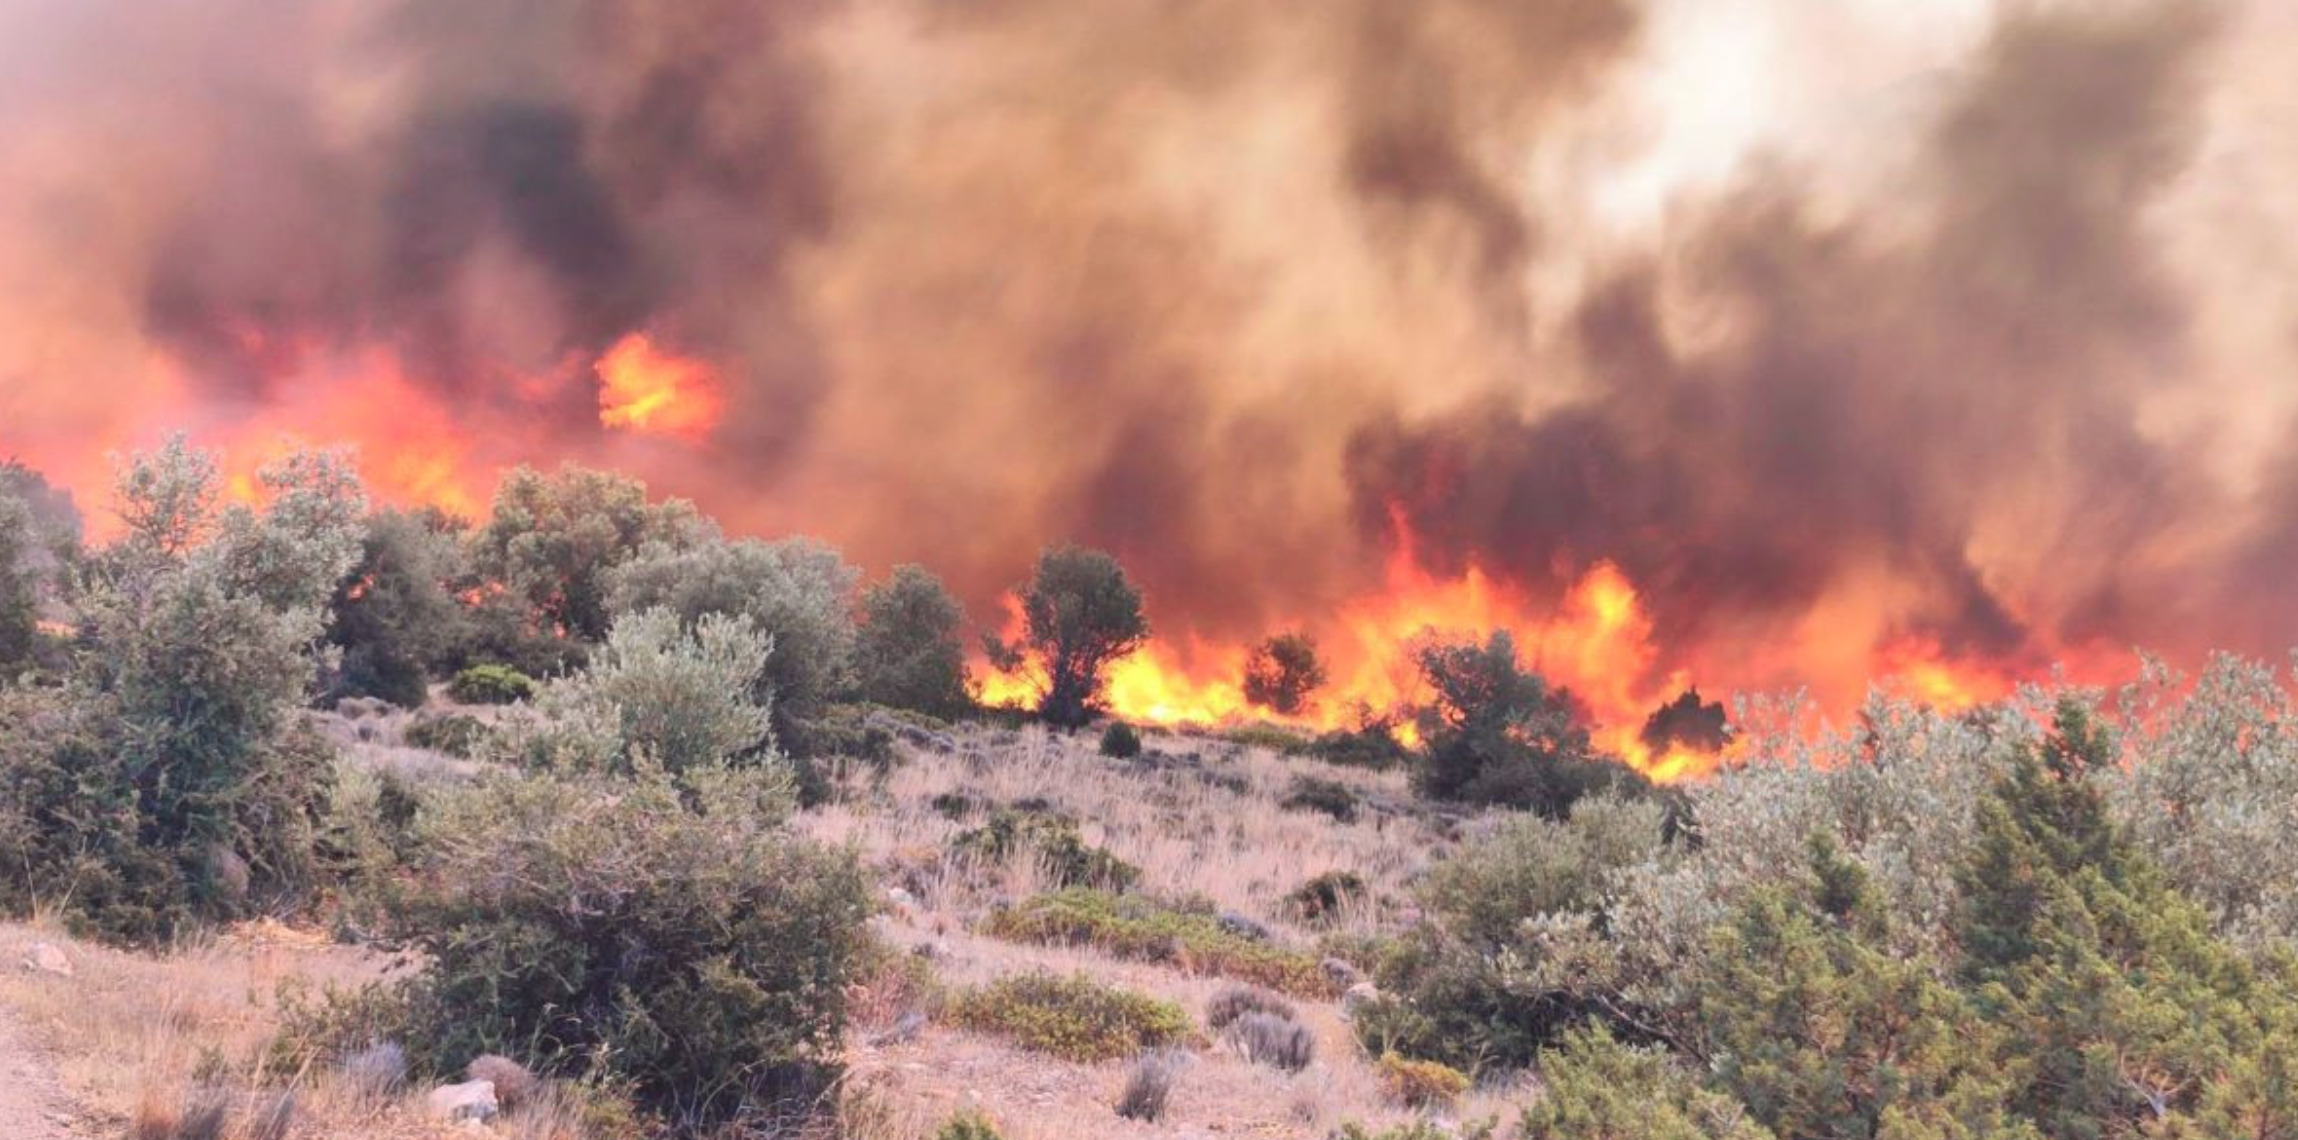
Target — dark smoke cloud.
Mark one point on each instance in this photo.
(1224, 287)
(1888, 400)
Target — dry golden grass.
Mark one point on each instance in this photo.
(136, 1038)
(169, 1046)
(1189, 835)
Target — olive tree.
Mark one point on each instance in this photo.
(1080, 614)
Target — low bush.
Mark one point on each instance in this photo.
(1330, 797)
(1234, 1002)
(1142, 929)
(1595, 1086)
(953, 805)
(667, 936)
(1322, 898)
(1274, 737)
(1149, 1086)
(1075, 1018)
(1443, 1000)
(491, 685)
(1372, 745)
(456, 734)
(1051, 839)
(968, 1125)
(1420, 1084)
(1120, 741)
(1270, 1039)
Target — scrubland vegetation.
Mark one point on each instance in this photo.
(665, 833)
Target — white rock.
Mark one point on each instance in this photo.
(471, 1100)
(47, 959)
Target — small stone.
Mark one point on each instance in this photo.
(471, 1100)
(1340, 974)
(1358, 996)
(47, 959)
(900, 897)
(513, 1083)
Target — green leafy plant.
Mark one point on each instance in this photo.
(1075, 1018)
(491, 685)
(1130, 926)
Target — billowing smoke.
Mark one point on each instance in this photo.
(1978, 366)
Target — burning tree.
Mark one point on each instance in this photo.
(1282, 672)
(1080, 613)
(1501, 734)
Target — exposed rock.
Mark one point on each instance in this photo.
(47, 959)
(1242, 926)
(1358, 996)
(513, 1083)
(1340, 973)
(471, 1100)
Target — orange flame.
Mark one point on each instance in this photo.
(645, 389)
(1597, 639)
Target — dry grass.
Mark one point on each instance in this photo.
(1178, 824)
(1213, 829)
(138, 1038)
(169, 1046)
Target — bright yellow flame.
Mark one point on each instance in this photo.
(645, 389)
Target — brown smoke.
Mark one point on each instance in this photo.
(1233, 289)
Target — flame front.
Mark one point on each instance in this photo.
(643, 388)
(1597, 640)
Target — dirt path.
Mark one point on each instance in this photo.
(33, 1105)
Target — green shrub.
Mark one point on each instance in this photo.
(1053, 841)
(1130, 926)
(491, 685)
(1371, 745)
(673, 937)
(1595, 1086)
(1274, 737)
(657, 692)
(797, 592)
(1497, 733)
(1120, 741)
(1420, 1084)
(1321, 898)
(456, 734)
(1530, 866)
(1331, 797)
(968, 1125)
(1075, 1018)
(907, 653)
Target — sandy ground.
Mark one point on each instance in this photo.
(33, 1104)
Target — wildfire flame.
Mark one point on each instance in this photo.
(643, 388)
(1597, 640)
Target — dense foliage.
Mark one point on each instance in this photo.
(1933, 926)
(1497, 733)
(1080, 614)
(665, 935)
(168, 775)
(908, 653)
(1282, 671)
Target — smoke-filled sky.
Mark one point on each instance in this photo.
(1836, 326)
